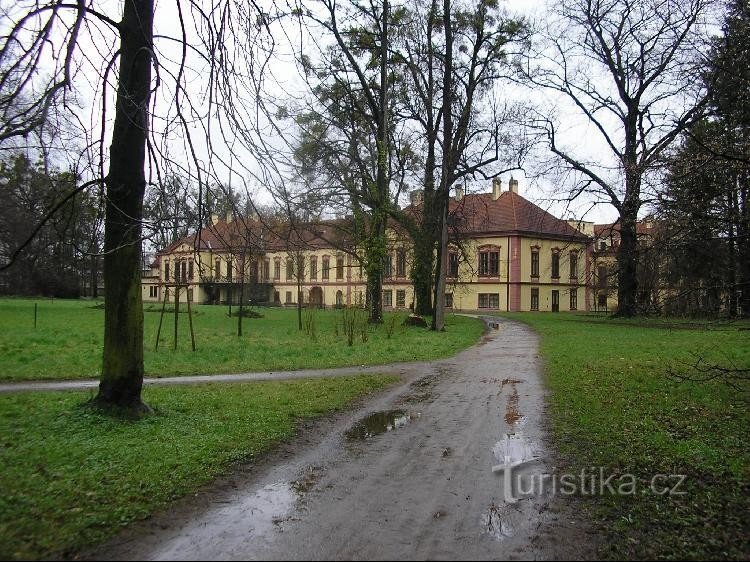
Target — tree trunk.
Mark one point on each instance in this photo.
(377, 250)
(421, 272)
(627, 270)
(443, 195)
(94, 277)
(122, 365)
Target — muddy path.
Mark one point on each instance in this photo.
(408, 475)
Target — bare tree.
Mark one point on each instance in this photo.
(52, 47)
(627, 69)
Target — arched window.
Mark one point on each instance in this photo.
(339, 298)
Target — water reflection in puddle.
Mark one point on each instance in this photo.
(255, 515)
(379, 422)
(514, 450)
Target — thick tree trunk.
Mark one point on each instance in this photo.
(421, 273)
(443, 195)
(122, 365)
(627, 270)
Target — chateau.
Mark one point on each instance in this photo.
(506, 254)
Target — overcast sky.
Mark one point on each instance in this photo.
(227, 150)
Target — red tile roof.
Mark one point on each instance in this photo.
(474, 214)
(509, 213)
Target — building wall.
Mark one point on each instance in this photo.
(509, 289)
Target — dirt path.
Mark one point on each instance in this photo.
(423, 489)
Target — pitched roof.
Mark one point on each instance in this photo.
(474, 214)
(244, 233)
(509, 213)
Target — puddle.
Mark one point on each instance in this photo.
(496, 523)
(259, 515)
(512, 415)
(379, 422)
(306, 482)
(514, 450)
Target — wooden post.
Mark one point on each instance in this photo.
(161, 317)
(176, 312)
(190, 318)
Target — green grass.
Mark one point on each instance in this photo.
(67, 343)
(614, 405)
(72, 477)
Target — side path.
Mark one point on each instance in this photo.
(403, 369)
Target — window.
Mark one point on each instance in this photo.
(190, 270)
(301, 268)
(339, 267)
(289, 269)
(266, 270)
(388, 298)
(602, 270)
(183, 270)
(574, 299)
(534, 298)
(313, 267)
(339, 299)
(288, 297)
(555, 264)
(489, 263)
(277, 269)
(452, 265)
(176, 271)
(190, 295)
(326, 267)
(448, 300)
(535, 262)
(276, 296)
(388, 266)
(166, 271)
(602, 246)
(229, 270)
(217, 269)
(574, 265)
(401, 263)
(400, 299)
(489, 300)
(602, 301)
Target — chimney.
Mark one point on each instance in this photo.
(417, 197)
(459, 193)
(214, 218)
(513, 185)
(230, 216)
(497, 188)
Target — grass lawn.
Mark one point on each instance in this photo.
(614, 405)
(67, 343)
(71, 477)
